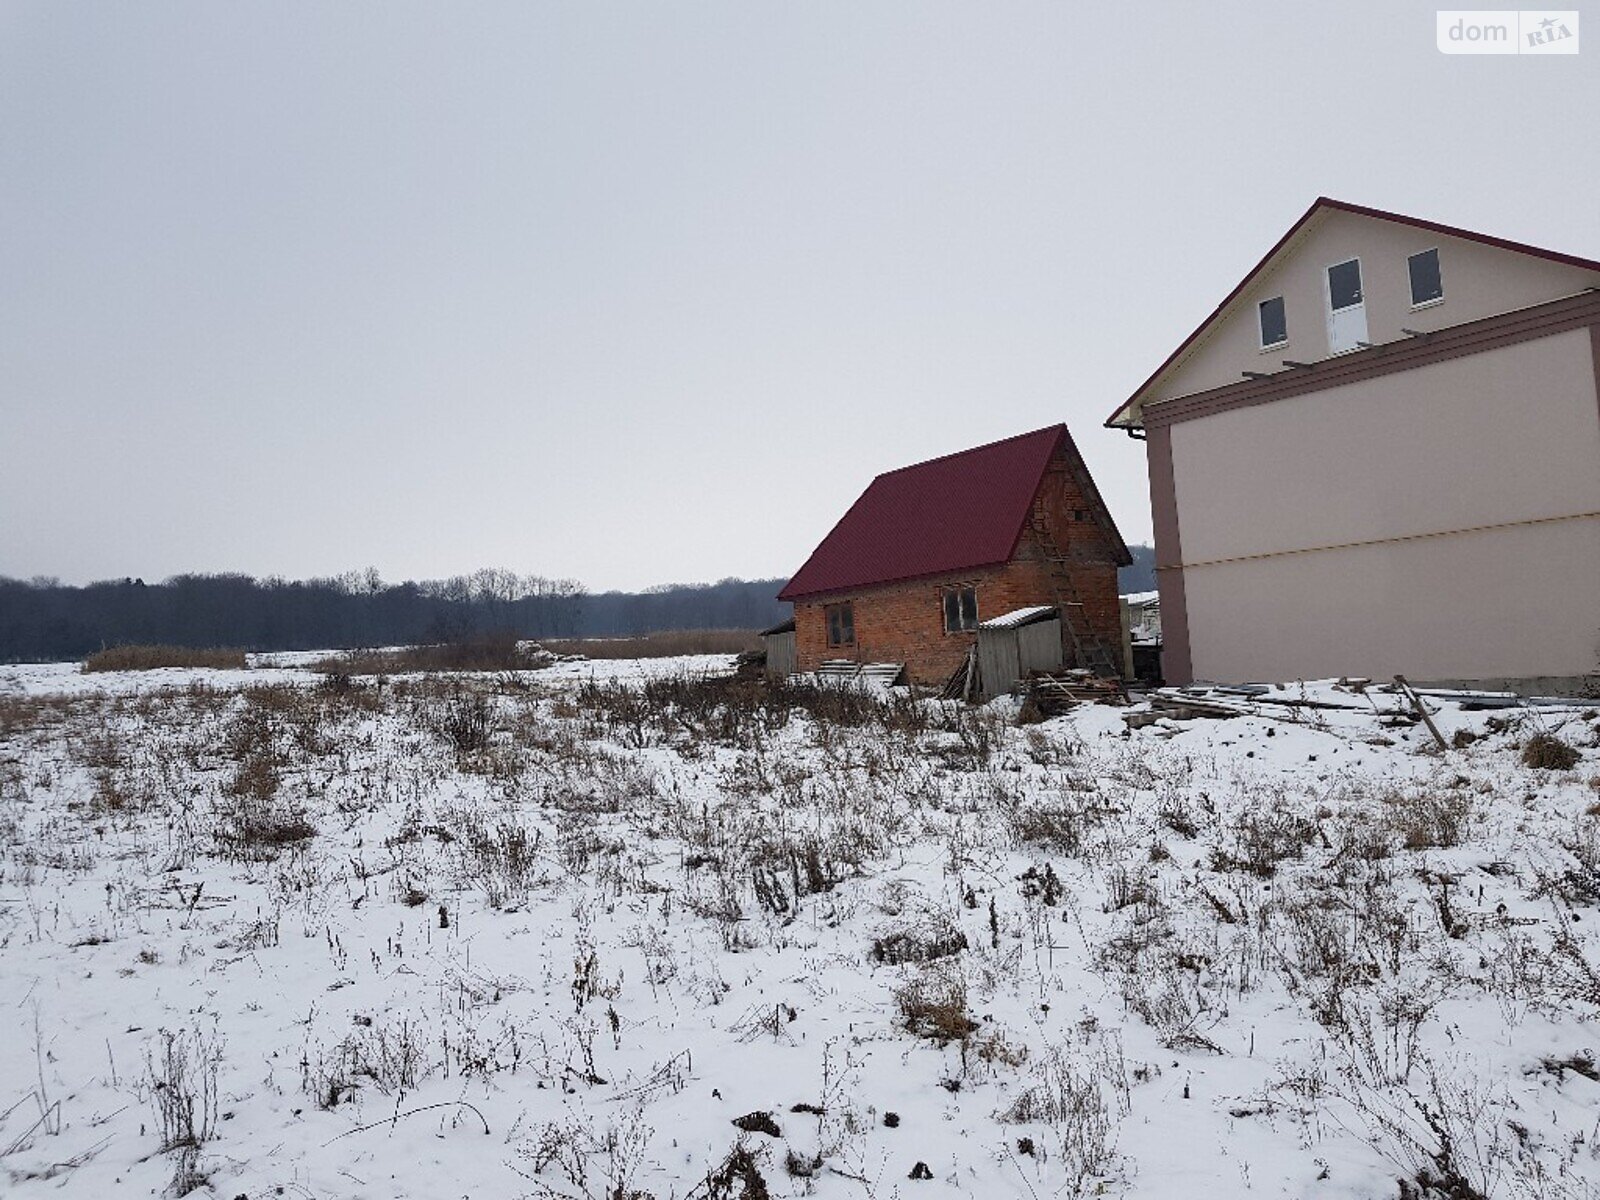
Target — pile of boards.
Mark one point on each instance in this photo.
(1389, 704)
(841, 669)
(963, 680)
(1219, 702)
(1051, 693)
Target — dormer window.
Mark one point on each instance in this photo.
(1427, 286)
(1274, 324)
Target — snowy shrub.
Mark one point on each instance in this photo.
(1547, 752)
(1068, 1101)
(388, 1055)
(919, 938)
(1058, 827)
(1261, 836)
(933, 1005)
(738, 1177)
(503, 859)
(465, 724)
(1430, 816)
(593, 1164)
(181, 1080)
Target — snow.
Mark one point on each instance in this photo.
(1277, 954)
(1020, 616)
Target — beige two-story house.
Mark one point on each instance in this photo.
(1380, 455)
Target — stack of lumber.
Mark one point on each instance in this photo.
(1215, 702)
(1053, 693)
(1183, 704)
(843, 669)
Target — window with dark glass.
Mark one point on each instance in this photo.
(1344, 285)
(960, 609)
(1274, 325)
(1426, 283)
(841, 625)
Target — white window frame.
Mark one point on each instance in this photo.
(1361, 274)
(1265, 345)
(1417, 305)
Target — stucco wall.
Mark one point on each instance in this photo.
(1479, 281)
(1507, 436)
(1513, 603)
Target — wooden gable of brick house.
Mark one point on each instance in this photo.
(930, 551)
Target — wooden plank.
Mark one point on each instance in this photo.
(1422, 711)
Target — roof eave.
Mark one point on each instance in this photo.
(1129, 414)
(873, 585)
(1116, 420)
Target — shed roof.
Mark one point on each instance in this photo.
(1020, 617)
(955, 513)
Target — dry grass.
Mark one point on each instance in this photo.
(663, 644)
(933, 1005)
(20, 714)
(1546, 752)
(148, 658)
(1429, 817)
(487, 652)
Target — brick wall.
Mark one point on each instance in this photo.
(904, 622)
(901, 622)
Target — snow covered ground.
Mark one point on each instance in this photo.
(607, 931)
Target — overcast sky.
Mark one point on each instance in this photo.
(647, 292)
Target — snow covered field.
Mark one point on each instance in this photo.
(605, 931)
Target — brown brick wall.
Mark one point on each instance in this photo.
(904, 622)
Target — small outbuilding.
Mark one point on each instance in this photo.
(1012, 646)
(779, 645)
(1142, 616)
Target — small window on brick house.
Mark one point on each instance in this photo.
(1080, 514)
(960, 609)
(841, 624)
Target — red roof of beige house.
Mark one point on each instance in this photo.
(955, 513)
(1125, 414)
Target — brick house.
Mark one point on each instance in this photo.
(930, 550)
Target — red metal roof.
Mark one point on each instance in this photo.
(1321, 204)
(954, 513)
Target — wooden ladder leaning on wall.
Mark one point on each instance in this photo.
(1090, 650)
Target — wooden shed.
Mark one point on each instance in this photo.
(1010, 646)
(779, 644)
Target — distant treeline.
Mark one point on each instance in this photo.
(43, 620)
(1141, 576)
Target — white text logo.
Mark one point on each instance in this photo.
(1506, 31)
